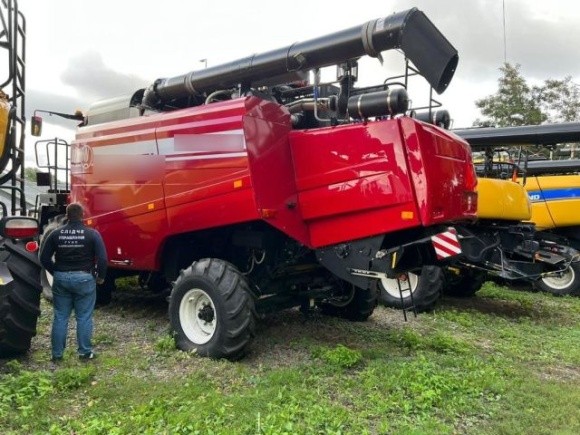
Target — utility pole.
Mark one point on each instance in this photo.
(504, 34)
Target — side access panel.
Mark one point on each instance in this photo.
(502, 199)
(207, 179)
(267, 128)
(117, 176)
(442, 171)
(353, 181)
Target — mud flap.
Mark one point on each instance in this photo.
(341, 258)
(361, 261)
(435, 250)
(446, 244)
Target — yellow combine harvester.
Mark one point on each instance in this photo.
(552, 188)
(555, 200)
(554, 191)
(502, 199)
(537, 201)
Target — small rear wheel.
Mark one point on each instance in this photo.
(211, 310)
(562, 283)
(464, 285)
(349, 302)
(153, 281)
(425, 288)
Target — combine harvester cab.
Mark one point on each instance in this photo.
(253, 187)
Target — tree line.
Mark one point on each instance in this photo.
(518, 103)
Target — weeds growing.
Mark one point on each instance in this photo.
(504, 361)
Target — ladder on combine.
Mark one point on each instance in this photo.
(53, 162)
(12, 89)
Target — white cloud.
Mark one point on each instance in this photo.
(81, 51)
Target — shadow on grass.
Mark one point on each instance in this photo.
(539, 307)
(503, 308)
(136, 300)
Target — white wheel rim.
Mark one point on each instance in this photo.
(391, 286)
(560, 281)
(197, 315)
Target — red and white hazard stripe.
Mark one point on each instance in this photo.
(446, 244)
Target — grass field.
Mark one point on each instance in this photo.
(503, 362)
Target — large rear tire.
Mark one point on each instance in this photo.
(425, 287)
(563, 283)
(19, 299)
(211, 310)
(349, 302)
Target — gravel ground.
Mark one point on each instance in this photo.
(136, 321)
(133, 325)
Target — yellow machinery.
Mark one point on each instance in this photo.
(4, 127)
(528, 224)
(555, 200)
(552, 186)
(502, 199)
(4, 117)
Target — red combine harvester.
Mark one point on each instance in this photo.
(246, 189)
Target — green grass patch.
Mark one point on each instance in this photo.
(504, 361)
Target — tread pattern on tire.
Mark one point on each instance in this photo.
(466, 285)
(19, 300)
(230, 293)
(425, 296)
(572, 289)
(53, 223)
(359, 309)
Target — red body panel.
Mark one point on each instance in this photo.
(145, 179)
(441, 177)
(353, 181)
(367, 179)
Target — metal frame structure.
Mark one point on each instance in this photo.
(13, 40)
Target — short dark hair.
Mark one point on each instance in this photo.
(74, 212)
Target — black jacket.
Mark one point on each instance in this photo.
(75, 247)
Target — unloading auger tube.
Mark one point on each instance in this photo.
(410, 31)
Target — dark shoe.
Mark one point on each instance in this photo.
(55, 362)
(87, 356)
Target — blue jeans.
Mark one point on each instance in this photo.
(78, 291)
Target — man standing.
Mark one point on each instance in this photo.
(77, 249)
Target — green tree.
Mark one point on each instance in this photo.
(515, 103)
(560, 99)
(30, 174)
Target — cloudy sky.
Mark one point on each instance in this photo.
(80, 51)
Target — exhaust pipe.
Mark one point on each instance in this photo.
(411, 31)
